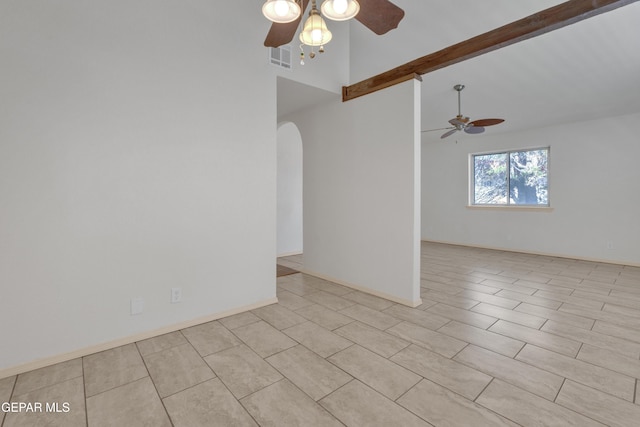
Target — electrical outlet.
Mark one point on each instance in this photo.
(137, 306)
(176, 295)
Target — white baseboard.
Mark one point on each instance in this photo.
(289, 254)
(364, 289)
(52, 360)
(550, 254)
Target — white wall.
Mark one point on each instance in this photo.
(137, 153)
(593, 190)
(362, 191)
(427, 27)
(329, 70)
(289, 194)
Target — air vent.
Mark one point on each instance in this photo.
(280, 56)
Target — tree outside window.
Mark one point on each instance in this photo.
(511, 178)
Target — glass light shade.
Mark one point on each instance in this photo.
(315, 31)
(281, 11)
(340, 10)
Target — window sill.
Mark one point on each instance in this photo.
(511, 208)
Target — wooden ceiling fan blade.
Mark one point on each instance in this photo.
(451, 132)
(487, 122)
(380, 16)
(474, 129)
(280, 34)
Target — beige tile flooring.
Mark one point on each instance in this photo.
(500, 339)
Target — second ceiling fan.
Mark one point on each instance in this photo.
(463, 123)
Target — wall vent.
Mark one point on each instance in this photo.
(280, 56)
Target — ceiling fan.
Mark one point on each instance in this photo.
(380, 16)
(461, 122)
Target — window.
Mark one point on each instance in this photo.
(511, 178)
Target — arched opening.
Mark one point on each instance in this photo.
(289, 190)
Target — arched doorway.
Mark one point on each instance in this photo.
(289, 190)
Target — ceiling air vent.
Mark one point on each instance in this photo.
(280, 56)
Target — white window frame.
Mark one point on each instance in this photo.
(508, 205)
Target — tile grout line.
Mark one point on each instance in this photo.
(454, 356)
(483, 389)
(231, 393)
(84, 393)
(564, 379)
(13, 389)
(329, 394)
(491, 410)
(576, 381)
(144, 362)
(580, 413)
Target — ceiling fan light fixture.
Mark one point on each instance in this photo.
(315, 31)
(473, 130)
(281, 11)
(340, 10)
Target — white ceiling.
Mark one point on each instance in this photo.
(586, 70)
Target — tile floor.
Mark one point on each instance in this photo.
(501, 339)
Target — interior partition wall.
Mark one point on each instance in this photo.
(362, 191)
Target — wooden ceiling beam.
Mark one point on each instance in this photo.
(534, 25)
